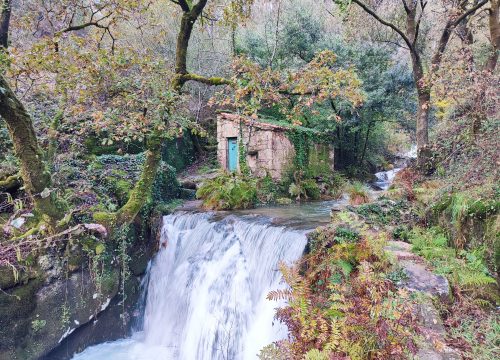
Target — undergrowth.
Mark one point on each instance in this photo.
(358, 193)
(341, 302)
(228, 191)
(465, 269)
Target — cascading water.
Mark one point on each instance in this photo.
(206, 297)
(385, 178)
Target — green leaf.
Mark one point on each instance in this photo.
(99, 249)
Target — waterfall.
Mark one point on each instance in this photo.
(384, 179)
(206, 297)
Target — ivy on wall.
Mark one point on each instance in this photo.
(303, 139)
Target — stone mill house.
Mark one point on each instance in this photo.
(268, 148)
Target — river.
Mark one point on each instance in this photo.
(205, 290)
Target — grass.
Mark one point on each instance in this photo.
(358, 193)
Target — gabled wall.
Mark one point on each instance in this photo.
(269, 150)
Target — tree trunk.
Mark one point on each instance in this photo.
(4, 24)
(365, 145)
(424, 99)
(139, 194)
(422, 89)
(37, 179)
(494, 25)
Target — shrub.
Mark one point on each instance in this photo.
(358, 193)
(228, 191)
(311, 189)
(339, 302)
(337, 185)
(267, 189)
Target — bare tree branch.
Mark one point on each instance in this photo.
(384, 22)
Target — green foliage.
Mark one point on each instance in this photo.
(466, 270)
(268, 190)
(345, 234)
(471, 218)
(228, 191)
(300, 38)
(38, 324)
(385, 211)
(401, 232)
(311, 189)
(242, 158)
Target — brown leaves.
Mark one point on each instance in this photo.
(357, 314)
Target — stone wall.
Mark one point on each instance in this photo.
(268, 148)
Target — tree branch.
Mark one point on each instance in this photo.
(384, 22)
(445, 35)
(4, 23)
(88, 24)
(206, 80)
(183, 4)
(419, 20)
(469, 12)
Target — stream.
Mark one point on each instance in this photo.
(204, 294)
(384, 179)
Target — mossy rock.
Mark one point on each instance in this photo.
(16, 306)
(10, 277)
(35, 317)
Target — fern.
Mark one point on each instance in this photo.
(474, 279)
(280, 294)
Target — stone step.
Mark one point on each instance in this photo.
(421, 279)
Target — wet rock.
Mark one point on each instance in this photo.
(112, 324)
(419, 278)
(35, 317)
(432, 329)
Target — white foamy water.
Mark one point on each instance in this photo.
(206, 298)
(385, 178)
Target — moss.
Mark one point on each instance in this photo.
(104, 218)
(15, 307)
(138, 196)
(11, 182)
(95, 147)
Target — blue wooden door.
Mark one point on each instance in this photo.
(232, 154)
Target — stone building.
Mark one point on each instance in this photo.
(268, 148)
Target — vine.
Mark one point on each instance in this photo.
(302, 140)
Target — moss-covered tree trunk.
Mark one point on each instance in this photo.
(142, 189)
(139, 194)
(36, 178)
